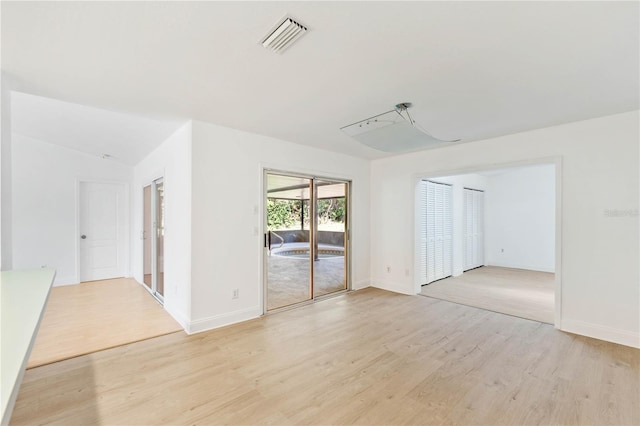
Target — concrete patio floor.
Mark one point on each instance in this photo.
(288, 277)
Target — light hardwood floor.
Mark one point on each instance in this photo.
(369, 357)
(518, 292)
(89, 317)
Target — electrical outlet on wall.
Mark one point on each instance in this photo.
(388, 269)
(236, 293)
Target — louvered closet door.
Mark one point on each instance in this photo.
(437, 231)
(448, 231)
(421, 212)
(430, 229)
(473, 228)
(479, 228)
(468, 229)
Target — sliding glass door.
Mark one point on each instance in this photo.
(330, 237)
(306, 239)
(288, 240)
(153, 238)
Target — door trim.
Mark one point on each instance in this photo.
(126, 224)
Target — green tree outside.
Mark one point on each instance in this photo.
(286, 214)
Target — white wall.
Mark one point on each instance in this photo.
(5, 171)
(599, 258)
(458, 183)
(227, 216)
(171, 160)
(520, 213)
(44, 198)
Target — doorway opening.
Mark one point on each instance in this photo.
(153, 237)
(505, 240)
(306, 244)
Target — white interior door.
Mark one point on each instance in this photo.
(102, 231)
(473, 228)
(437, 233)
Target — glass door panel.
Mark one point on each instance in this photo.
(288, 240)
(159, 222)
(147, 237)
(330, 242)
(153, 238)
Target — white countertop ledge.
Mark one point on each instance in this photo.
(23, 298)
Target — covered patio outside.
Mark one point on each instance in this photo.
(306, 222)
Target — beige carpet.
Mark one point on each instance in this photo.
(93, 316)
(517, 292)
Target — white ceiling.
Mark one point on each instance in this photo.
(473, 70)
(124, 137)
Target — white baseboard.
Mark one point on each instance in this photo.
(221, 320)
(178, 316)
(394, 287)
(522, 266)
(62, 281)
(601, 332)
(359, 285)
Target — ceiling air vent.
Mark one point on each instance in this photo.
(284, 35)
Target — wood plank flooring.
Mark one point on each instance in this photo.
(89, 317)
(369, 357)
(518, 292)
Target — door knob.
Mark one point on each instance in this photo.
(84, 237)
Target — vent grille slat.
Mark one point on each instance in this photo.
(284, 35)
(286, 39)
(282, 39)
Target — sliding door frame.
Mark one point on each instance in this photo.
(153, 289)
(313, 235)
